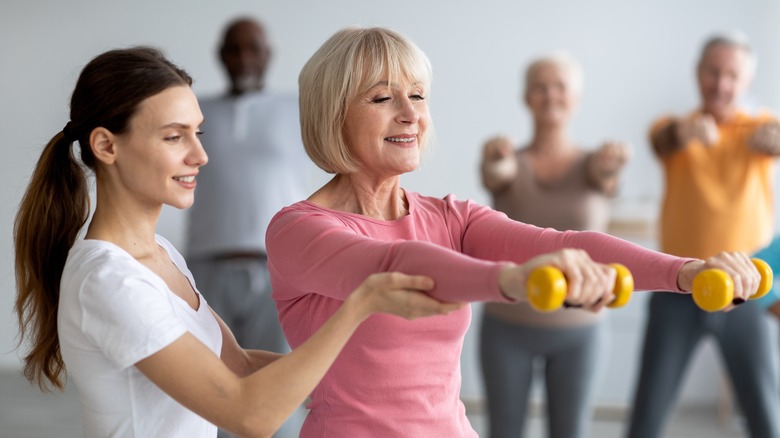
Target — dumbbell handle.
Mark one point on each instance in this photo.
(546, 288)
(713, 289)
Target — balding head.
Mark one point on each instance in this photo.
(245, 53)
(725, 69)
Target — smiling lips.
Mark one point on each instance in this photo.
(402, 140)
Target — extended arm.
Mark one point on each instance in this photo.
(257, 404)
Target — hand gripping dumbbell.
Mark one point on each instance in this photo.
(546, 288)
(713, 289)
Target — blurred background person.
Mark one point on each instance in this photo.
(718, 167)
(253, 139)
(550, 182)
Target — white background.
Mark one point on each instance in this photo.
(638, 58)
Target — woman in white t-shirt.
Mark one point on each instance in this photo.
(119, 309)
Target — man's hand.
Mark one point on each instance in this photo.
(766, 139)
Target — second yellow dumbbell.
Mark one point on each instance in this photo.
(546, 288)
(713, 289)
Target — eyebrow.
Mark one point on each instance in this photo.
(177, 125)
(388, 84)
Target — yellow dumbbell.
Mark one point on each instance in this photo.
(546, 288)
(713, 289)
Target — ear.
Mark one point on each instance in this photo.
(102, 142)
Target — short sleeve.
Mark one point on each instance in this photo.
(127, 315)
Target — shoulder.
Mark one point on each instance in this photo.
(302, 212)
(94, 267)
(448, 205)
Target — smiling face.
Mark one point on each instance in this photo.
(551, 94)
(723, 75)
(157, 158)
(385, 127)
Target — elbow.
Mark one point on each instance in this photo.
(256, 425)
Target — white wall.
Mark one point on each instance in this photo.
(638, 58)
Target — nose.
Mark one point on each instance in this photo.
(407, 111)
(197, 156)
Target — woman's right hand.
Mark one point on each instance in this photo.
(401, 295)
(590, 284)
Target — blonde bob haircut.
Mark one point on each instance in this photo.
(349, 64)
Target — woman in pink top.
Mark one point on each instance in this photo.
(364, 118)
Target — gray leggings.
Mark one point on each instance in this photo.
(507, 353)
(674, 327)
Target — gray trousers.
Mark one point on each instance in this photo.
(674, 327)
(239, 291)
(570, 357)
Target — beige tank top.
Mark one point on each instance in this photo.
(569, 203)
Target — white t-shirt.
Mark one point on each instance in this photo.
(114, 312)
(257, 165)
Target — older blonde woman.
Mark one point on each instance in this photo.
(550, 182)
(364, 118)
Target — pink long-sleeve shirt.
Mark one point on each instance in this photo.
(400, 378)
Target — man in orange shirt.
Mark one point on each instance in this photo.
(718, 166)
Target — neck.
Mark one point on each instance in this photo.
(130, 228)
(721, 115)
(551, 139)
(357, 193)
(240, 91)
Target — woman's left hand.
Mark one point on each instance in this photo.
(736, 264)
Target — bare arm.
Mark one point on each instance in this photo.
(241, 362)
(499, 166)
(257, 405)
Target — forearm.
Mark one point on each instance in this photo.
(313, 260)
(257, 359)
(287, 381)
(498, 238)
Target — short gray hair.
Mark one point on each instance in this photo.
(731, 39)
(560, 59)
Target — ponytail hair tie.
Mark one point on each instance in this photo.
(68, 133)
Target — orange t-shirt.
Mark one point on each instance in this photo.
(717, 198)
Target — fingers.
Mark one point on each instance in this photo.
(742, 271)
(611, 157)
(403, 295)
(497, 148)
(766, 138)
(590, 284)
(701, 127)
